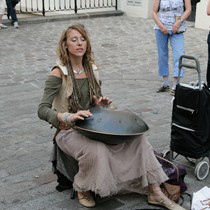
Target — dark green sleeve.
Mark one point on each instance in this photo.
(45, 111)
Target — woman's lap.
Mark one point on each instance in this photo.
(105, 169)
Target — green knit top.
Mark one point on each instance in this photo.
(52, 87)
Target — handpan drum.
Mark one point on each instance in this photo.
(111, 126)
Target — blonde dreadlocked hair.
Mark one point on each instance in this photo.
(87, 61)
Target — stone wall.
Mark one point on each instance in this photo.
(136, 8)
(202, 20)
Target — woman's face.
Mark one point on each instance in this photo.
(76, 43)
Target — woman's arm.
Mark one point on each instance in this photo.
(155, 9)
(52, 87)
(208, 8)
(185, 15)
(187, 12)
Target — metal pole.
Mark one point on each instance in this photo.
(116, 6)
(43, 8)
(75, 6)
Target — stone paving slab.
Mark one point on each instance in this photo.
(125, 50)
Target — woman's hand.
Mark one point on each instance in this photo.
(81, 115)
(163, 29)
(71, 118)
(102, 101)
(176, 26)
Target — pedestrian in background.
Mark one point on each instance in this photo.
(170, 25)
(2, 10)
(11, 12)
(208, 41)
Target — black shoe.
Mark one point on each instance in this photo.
(63, 182)
(163, 89)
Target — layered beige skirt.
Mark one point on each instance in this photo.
(110, 169)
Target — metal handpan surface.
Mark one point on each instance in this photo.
(111, 126)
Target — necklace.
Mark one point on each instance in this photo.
(80, 71)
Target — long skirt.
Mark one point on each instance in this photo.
(111, 169)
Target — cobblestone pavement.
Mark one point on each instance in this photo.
(125, 51)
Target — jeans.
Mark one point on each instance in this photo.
(208, 64)
(11, 9)
(177, 45)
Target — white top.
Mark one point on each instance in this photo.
(168, 11)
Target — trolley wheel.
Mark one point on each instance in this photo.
(202, 159)
(202, 170)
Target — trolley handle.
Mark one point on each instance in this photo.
(196, 67)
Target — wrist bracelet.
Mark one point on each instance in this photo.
(181, 20)
(67, 118)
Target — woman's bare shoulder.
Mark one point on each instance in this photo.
(56, 71)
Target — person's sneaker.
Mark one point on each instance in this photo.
(162, 89)
(16, 25)
(172, 92)
(2, 26)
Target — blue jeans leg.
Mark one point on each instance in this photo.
(177, 45)
(11, 10)
(162, 48)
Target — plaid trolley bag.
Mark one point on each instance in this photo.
(190, 126)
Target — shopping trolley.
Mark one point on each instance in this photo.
(190, 125)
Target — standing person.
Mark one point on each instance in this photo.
(12, 12)
(170, 18)
(70, 90)
(208, 41)
(2, 10)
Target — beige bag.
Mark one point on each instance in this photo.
(171, 191)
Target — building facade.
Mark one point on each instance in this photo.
(138, 8)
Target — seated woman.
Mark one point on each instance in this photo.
(71, 89)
